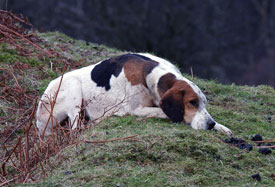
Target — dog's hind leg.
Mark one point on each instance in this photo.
(71, 92)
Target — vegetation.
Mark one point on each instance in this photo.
(162, 153)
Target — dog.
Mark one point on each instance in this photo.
(135, 83)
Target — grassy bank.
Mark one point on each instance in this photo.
(163, 153)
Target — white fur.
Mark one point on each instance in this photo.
(123, 98)
(202, 116)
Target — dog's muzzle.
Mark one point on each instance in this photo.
(210, 124)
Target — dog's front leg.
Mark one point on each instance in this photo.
(149, 112)
(224, 129)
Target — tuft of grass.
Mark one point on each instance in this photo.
(164, 154)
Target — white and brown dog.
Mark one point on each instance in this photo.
(135, 84)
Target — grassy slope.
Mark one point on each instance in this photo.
(166, 153)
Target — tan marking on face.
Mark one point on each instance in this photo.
(190, 100)
(190, 111)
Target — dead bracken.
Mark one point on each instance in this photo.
(24, 156)
(13, 32)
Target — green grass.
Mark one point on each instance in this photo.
(165, 154)
(174, 154)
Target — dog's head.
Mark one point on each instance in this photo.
(184, 101)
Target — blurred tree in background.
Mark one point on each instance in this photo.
(231, 41)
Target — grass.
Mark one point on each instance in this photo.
(174, 154)
(165, 154)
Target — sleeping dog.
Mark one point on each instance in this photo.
(135, 84)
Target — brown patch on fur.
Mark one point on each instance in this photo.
(165, 83)
(136, 69)
(168, 86)
(134, 72)
(190, 100)
(172, 105)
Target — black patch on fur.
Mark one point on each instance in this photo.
(143, 57)
(172, 108)
(102, 73)
(166, 82)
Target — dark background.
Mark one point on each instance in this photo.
(226, 40)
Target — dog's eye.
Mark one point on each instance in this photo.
(195, 103)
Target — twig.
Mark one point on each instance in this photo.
(191, 70)
(14, 130)
(266, 141)
(271, 146)
(7, 182)
(112, 140)
(16, 18)
(27, 161)
(53, 103)
(27, 177)
(16, 81)
(27, 40)
(220, 140)
(40, 163)
(3, 165)
(21, 155)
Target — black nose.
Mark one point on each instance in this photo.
(210, 124)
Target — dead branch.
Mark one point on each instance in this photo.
(191, 70)
(3, 165)
(266, 141)
(22, 20)
(28, 154)
(52, 103)
(13, 31)
(112, 140)
(16, 128)
(3, 27)
(271, 146)
(8, 181)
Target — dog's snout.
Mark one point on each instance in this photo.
(210, 124)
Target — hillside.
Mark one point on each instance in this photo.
(160, 153)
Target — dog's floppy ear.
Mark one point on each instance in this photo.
(172, 105)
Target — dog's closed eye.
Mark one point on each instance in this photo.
(194, 103)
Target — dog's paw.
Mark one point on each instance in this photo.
(224, 129)
(228, 132)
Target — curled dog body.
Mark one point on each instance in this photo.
(136, 84)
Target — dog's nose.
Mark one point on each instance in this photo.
(210, 124)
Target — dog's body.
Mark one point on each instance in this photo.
(135, 84)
